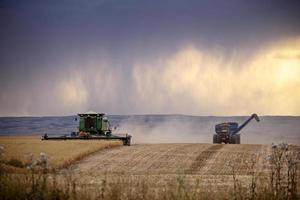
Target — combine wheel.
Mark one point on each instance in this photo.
(127, 141)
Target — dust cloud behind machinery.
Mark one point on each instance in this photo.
(198, 129)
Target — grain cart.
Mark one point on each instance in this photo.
(228, 132)
(92, 126)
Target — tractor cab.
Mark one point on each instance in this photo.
(231, 127)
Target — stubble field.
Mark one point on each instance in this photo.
(163, 163)
(108, 170)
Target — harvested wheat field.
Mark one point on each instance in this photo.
(60, 153)
(162, 164)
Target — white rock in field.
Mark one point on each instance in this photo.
(1, 150)
(42, 161)
(43, 158)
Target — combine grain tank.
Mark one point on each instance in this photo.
(92, 126)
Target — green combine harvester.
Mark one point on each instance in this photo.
(92, 126)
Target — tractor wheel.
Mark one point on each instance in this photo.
(215, 137)
(232, 139)
(238, 139)
(219, 139)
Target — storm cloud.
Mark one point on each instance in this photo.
(133, 57)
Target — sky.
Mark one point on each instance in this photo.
(193, 57)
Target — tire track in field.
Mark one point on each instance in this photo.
(203, 158)
(172, 159)
(161, 164)
(142, 159)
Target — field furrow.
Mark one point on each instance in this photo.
(163, 163)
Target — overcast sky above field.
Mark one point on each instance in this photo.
(211, 57)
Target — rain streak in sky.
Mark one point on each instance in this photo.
(207, 57)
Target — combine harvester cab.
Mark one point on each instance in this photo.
(228, 132)
(92, 126)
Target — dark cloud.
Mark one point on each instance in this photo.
(44, 41)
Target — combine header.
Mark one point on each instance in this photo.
(92, 126)
(229, 132)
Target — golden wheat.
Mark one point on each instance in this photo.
(60, 153)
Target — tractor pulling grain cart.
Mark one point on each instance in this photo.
(92, 126)
(228, 132)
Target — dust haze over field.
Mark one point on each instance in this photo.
(195, 129)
